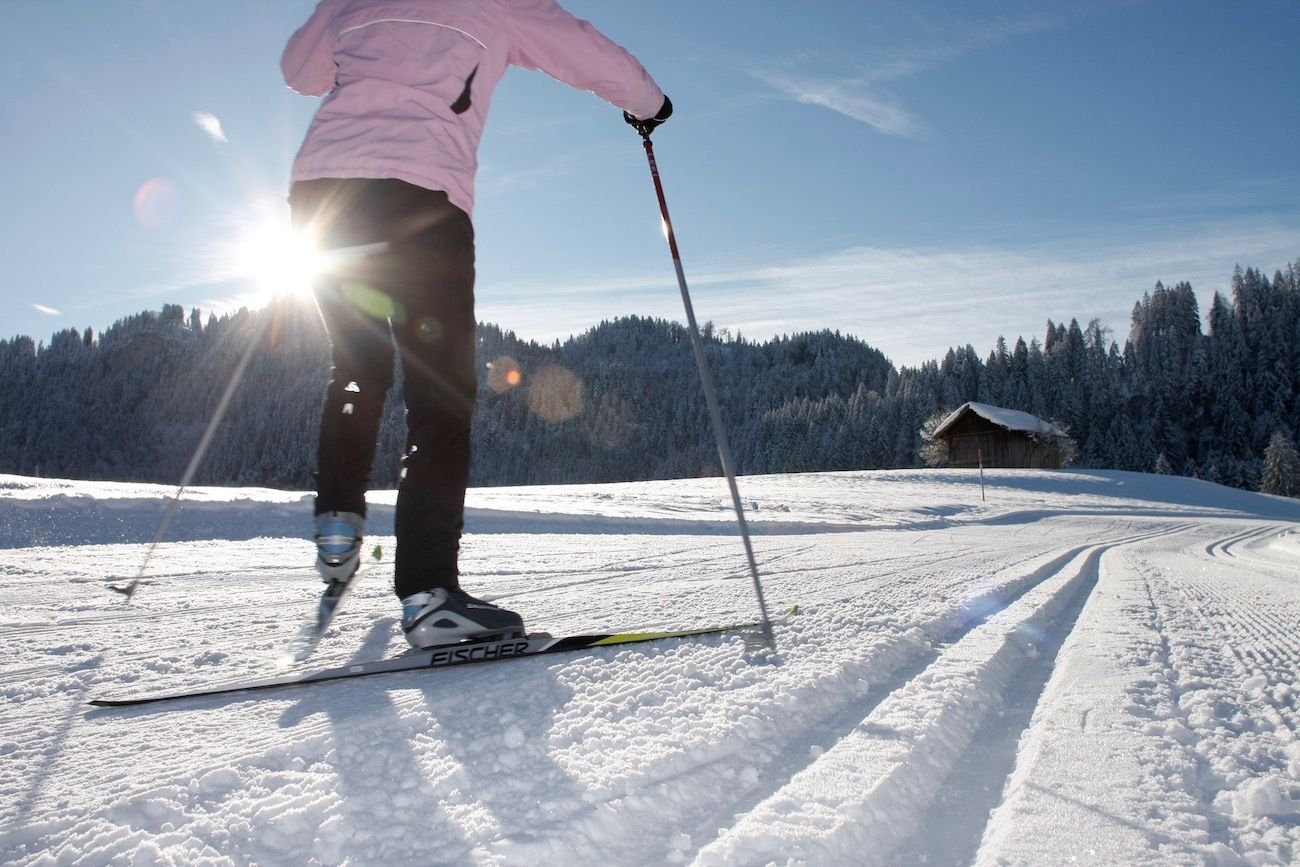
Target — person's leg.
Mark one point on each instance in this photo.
(341, 213)
(433, 276)
(436, 336)
(354, 400)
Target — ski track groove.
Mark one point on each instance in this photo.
(840, 722)
(791, 788)
(899, 668)
(844, 819)
(973, 788)
(1227, 547)
(992, 552)
(1216, 748)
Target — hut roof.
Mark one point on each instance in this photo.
(1010, 419)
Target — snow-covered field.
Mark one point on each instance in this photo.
(1088, 667)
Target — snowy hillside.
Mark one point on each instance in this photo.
(1088, 667)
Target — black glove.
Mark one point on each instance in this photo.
(645, 127)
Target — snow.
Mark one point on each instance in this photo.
(1010, 419)
(1090, 667)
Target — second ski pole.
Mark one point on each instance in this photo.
(710, 393)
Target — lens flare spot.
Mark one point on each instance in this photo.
(555, 394)
(503, 374)
(157, 204)
(428, 329)
(373, 302)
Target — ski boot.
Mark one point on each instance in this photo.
(338, 556)
(450, 615)
(338, 545)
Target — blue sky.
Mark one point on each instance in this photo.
(919, 174)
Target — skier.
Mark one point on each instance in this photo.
(387, 171)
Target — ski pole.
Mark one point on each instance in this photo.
(710, 393)
(128, 590)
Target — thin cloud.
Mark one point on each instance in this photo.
(851, 97)
(48, 311)
(915, 302)
(211, 125)
(954, 296)
(857, 92)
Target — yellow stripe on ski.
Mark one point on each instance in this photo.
(632, 637)
(628, 637)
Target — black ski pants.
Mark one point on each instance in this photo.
(404, 276)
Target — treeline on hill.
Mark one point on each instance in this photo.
(622, 401)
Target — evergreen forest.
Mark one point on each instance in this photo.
(1183, 393)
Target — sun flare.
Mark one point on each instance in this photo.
(277, 260)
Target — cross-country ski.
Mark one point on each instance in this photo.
(465, 653)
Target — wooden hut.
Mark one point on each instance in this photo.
(980, 433)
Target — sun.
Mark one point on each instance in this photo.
(270, 260)
(277, 260)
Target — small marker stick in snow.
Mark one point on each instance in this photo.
(710, 393)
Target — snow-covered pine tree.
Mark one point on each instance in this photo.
(934, 451)
(1281, 467)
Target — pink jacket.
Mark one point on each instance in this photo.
(408, 82)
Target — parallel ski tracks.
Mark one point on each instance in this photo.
(1182, 703)
(1227, 547)
(794, 775)
(779, 754)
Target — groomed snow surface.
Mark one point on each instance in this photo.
(1087, 667)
